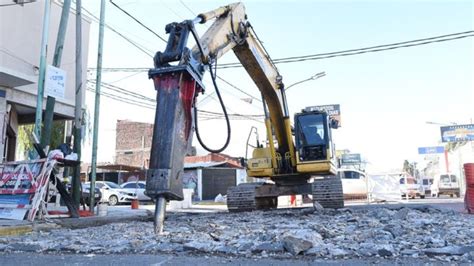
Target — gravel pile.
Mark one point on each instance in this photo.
(335, 234)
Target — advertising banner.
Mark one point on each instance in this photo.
(457, 133)
(333, 110)
(22, 187)
(351, 158)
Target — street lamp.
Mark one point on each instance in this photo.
(313, 77)
(440, 124)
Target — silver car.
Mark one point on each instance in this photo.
(137, 187)
(113, 193)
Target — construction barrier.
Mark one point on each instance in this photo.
(469, 197)
(23, 186)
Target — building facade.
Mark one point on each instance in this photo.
(132, 143)
(20, 46)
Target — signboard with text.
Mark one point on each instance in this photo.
(333, 110)
(457, 133)
(22, 188)
(351, 158)
(55, 82)
(430, 150)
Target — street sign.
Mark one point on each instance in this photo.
(457, 133)
(333, 110)
(55, 82)
(351, 158)
(430, 150)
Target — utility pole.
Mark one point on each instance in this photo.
(42, 69)
(76, 181)
(58, 52)
(97, 100)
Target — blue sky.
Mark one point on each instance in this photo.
(386, 98)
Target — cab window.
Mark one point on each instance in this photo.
(445, 178)
(349, 175)
(453, 179)
(312, 130)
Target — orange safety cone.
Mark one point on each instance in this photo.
(135, 204)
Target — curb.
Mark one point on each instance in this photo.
(77, 223)
(15, 230)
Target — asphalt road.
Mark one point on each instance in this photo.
(158, 260)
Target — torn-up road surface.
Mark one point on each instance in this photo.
(425, 233)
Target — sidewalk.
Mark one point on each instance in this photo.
(115, 214)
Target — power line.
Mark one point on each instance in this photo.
(189, 9)
(138, 46)
(126, 77)
(349, 52)
(138, 21)
(172, 10)
(216, 113)
(15, 4)
(152, 103)
(125, 92)
(237, 88)
(124, 100)
(377, 48)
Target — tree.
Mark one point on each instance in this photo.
(452, 146)
(410, 168)
(26, 149)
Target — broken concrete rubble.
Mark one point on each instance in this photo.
(337, 234)
(296, 245)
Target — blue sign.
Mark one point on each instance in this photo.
(457, 133)
(430, 150)
(351, 158)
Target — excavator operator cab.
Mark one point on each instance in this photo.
(314, 148)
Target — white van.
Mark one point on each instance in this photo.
(427, 182)
(446, 184)
(410, 188)
(354, 183)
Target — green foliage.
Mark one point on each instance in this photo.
(452, 146)
(25, 144)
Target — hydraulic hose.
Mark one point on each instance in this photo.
(213, 77)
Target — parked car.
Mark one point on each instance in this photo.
(354, 183)
(447, 184)
(85, 195)
(410, 187)
(137, 187)
(113, 193)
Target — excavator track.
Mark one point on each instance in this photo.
(328, 192)
(243, 198)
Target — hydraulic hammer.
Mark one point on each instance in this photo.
(176, 89)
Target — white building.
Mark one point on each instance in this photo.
(20, 45)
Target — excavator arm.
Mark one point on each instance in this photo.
(178, 86)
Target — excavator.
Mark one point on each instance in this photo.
(297, 159)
